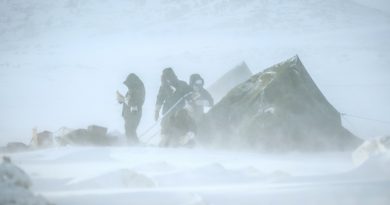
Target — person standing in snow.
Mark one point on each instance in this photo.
(132, 106)
(171, 98)
(200, 97)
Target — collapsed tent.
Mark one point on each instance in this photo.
(229, 80)
(279, 109)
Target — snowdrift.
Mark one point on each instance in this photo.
(122, 178)
(14, 186)
(377, 167)
(166, 176)
(371, 148)
(280, 108)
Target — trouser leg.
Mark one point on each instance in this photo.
(166, 131)
(131, 125)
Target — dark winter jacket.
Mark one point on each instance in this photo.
(199, 93)
(172, 91)
(135, 97)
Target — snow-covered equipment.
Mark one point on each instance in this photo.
(16, 147)
(93, 135)
(41, 139)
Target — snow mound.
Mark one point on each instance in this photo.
(196, 200)
(251, 171)
(13, 175)
(122, 178)
(15, 195)
(209, 174)
(273, 176)
(369, 148)
(14, 186)
(216, 174)
(155, 167)
(372, 159)
(377, 166)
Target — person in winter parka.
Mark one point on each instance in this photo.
(171, 98)
(200, 97)
(132, 106)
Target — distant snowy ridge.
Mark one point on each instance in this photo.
(382, 5)
(37, 17)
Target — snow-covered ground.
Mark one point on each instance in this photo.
(150, 175)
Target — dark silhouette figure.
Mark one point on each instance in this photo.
(132, 106)
(172, 97)
(200, 97)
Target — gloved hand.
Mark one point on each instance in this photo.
(119, 97)
(133, 109)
